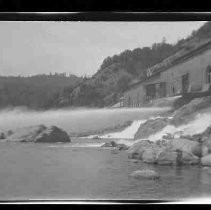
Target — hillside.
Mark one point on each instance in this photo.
(119, 71)
(36, 92)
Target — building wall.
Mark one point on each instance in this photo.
(196, 68)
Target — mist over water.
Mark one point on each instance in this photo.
(75, 120)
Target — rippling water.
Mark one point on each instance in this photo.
(37, 171)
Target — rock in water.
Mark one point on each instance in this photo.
(96, 137)
(136, 150)
(186, 145)
(150, 155)
(189, 159)
(145, 150)
(122, 147)
(40, 134)
(206, 160)
(110, 144)
(26, 134)
(150, 127)
(167, 158)
(51, 135)
(145, 174)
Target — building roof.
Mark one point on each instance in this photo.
(176, 59)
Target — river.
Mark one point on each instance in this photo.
(83, 170)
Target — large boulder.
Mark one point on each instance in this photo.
(26, 134)
(178, 157)
(145, 174)
(122, 147)
(186, 145)
(206, 139)
(150, 155)
(40, 133)
(52, 134)
(206, 160)
(176, 152)
(110, 144)
(150, 127)
(96, 137)
(137, 149)
(188, 159)
(145, 150)
(167, 157)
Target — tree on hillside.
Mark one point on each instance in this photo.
(123, 83)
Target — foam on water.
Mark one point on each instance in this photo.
(127, 133)
(198, 125)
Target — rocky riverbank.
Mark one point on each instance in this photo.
(176, 147)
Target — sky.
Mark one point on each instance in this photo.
(29, 48)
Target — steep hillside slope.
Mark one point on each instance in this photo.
(119, 71)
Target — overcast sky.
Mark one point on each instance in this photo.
(28, 48)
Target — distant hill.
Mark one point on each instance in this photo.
(119, 71)
(36, 92)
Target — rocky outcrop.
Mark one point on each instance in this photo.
(39, 134)
(150, 127)
(188, 112)
(175, 152)
(150, 155)
(136, 150)
(52, 134)
(178, 157)
(116, 145)
(187, 146)
(122, 147)
(145, 174)
(189, 159)
(167, 158)
(96, 137)
(110, 144)
(26, 134)
(206, 160)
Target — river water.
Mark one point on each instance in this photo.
(83, 170)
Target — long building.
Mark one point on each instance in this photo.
(184, 72)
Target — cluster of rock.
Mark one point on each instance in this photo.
(38, 134)
(115, 145)
(174, 152)
(179, 151)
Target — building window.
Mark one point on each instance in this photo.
(208, 75)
